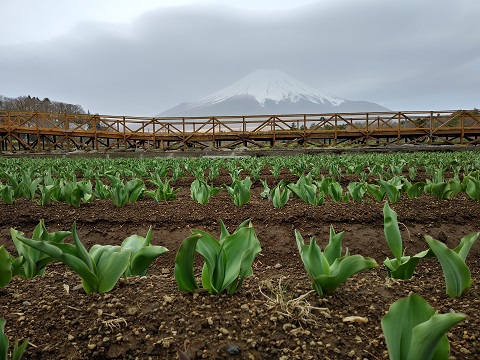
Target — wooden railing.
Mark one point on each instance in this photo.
(44, 132)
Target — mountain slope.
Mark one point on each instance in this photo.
(269, 92)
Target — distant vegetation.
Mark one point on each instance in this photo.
(28, 103)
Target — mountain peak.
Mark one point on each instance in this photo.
(269, 92)
(269, 84)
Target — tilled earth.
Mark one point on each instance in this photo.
(274, 316)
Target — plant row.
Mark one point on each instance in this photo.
(412, 328)
(313, 191)
(384, 166)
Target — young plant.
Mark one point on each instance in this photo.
(17, 351)
(27, 187)
(377, 192)
(413, 330)
(455, 271)
(7, 194)
(277, 167)
(267, 192)
(102, 190)
(392, 188)
(335, 191)
(99, 269)
(306, 190)
(280, 195)
(46, 192)
(164, 191)
(329, 269)
(9, 266)
(240, 191)
(228, 261)
(143, 253)
(73, 192)
(401, 267)
(472, 187)
(443, 189)
(357, 190)
(201, 191)
(35, 261)
(130, 191)
(413, 190)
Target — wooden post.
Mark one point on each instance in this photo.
(367, 135)
(183, 135)
(38, 136)
(273, 129)
(462, 123)
(304, 130)
(67, 133)
(335, 134)
(430, 136)
(398, 129)
(214, 124)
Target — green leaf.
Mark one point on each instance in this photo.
(81, 252)
(119, 194)
(309, 253)
(135, 188)
(375, 191)
(392, 232)
(18, 351)
(402, 316)
(280, 196)
(429, 340)
(334, 248)
(357, 190)
(143, 258)
(455, 271)
(184, 270)
(110, 262)
(240, 250)
(3, 341)
(213, 271)
(473, 188)
(412, 330)
(67, 254)
(342, 269)
(5, 267)
(240, 191)
(416, 190)
(392, 192)
(441, 190)
(335, 191)
(7, 194)
(227, 261)
(223, 231)
(465, 244)
(201, 192)
(136, 242)
(406, 267)
(35, 261)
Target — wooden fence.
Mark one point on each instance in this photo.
(46, 132)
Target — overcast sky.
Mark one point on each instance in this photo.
(141, 57)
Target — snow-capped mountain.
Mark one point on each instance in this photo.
(269, 92)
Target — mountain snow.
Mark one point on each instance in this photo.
(269, 92)
(265, 84)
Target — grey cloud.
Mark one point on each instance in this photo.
(401, 54)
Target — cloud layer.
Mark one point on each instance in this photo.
(405, 55)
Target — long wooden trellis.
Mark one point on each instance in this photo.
(45, 132)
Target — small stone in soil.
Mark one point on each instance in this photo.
(233, 349)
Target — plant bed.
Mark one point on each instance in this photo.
(275, 315)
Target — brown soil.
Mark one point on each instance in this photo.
(149, 318)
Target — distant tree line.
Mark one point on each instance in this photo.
(29, 103)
